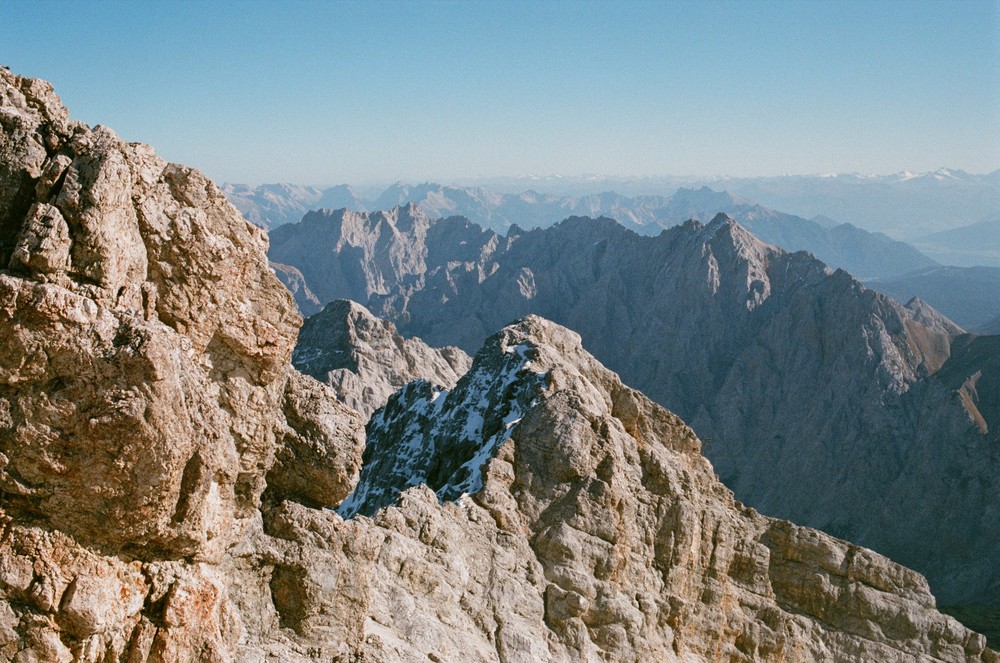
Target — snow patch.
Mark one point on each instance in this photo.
(428, 435)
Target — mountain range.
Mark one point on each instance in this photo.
(906, 205)
(864, 254)
(173, 490)
(816, 397)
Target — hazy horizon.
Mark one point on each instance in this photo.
(350, 92)
(581, 178)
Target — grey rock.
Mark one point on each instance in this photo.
(814, 394)
(366, 360)
(610, 537)
(306, 301)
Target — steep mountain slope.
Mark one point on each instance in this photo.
(305, 299)
(592, 492)
(968, 295)
(164, 471)
(390, 251)
(804, 383)
(365, 359)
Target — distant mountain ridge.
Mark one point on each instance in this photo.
(271, 205)
(905, 205)
(817, 397)
(866, 255)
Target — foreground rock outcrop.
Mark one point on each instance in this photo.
(560, 515)
(144, 343)
(164, 470)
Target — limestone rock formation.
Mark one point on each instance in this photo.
(815, 396)
(162, 461)
(580, 523)
(143, 341)
(365, 359)
(389, 250)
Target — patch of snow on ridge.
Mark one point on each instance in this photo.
(428, 435)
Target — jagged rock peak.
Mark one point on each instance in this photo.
(634, 550)
(403, 216)
(428, 435)
(366, 360)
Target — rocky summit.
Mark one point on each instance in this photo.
(168, 481)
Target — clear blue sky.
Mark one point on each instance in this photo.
(330, 92)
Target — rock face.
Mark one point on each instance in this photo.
(161, 465)
(815, 395)
(143, 340)
(365, 359)
(607, 535)
(145, 392)
(390, 251)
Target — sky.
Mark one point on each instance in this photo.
(370, 92)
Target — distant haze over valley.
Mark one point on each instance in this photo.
(907, 206)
